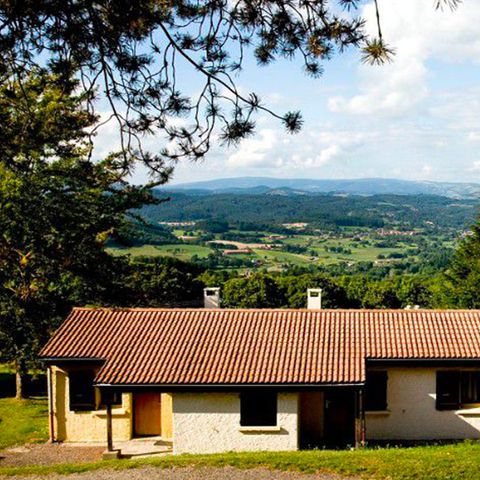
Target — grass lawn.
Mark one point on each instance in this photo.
(452, 462)
(23, 421)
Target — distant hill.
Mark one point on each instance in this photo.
(277, 206)
(302, 186)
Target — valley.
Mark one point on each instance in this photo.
(275, 232)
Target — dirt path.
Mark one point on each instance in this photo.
(191, 473)
(48, 454)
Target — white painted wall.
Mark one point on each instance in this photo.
(411, 414)
(210, 423)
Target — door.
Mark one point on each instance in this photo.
(146, 408)
(339, 418)
(312, 408)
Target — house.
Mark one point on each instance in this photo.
(238, 251)
(214, 380)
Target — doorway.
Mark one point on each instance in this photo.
(312, 410)
(146, 414)
(339, 418)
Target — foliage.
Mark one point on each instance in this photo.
(129, 52)
(294, 288)
(289, 290)
(213, 226)
(57, 210)
(267, 212)
(463, 276)
(141, 233)
(161, 282)
(256, 291)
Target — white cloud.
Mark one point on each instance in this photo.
(276, 151)
(473, 136)
(254, 152)
(418, 33)
(427, 170)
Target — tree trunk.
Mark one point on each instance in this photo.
(20, 381)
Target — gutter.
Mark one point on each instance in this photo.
(228, 385)
(50, 360)
(51, 405)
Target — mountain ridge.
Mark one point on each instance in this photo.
(301, 186)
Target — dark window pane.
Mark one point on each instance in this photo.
(470, 387)
(376, 391)
(258, 409)
(114, 397)
(82, 392)
(448, 390)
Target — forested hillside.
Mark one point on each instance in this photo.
(412, 211)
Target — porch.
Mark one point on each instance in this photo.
(145, 447)
(331, 418)
(151, 424)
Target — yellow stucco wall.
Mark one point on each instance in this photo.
(167, 416)
(86, 426)
(91, 426)
(411, 412)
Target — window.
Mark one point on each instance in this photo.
(114, 397)
(457, 388)
(82, 392)
(258, 409)
(376, 391)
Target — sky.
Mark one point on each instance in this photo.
(417, 118)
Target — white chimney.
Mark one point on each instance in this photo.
(314, 298)
(211, 297)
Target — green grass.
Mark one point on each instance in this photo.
(277, 259)
(23, 421)
(182, 252)
(274, 257)
(451, 462)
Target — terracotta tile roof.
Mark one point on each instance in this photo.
(230, 347)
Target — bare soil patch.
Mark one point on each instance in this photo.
(49, 454)
(191, 473)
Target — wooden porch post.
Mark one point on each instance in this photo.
(360, 419)
(109, 427)
(107, 399)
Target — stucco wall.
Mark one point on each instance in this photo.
(210, 422)
(411, 413)
(167, 416)
(87, 426)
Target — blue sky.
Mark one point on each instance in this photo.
(417, 118)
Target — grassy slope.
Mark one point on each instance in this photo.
(454, 462)
(22, 421)
(273, 258)
(182, 252)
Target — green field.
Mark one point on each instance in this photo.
(277, 257)
(347, 246)
(180, 251)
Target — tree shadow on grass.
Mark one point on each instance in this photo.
(35, 385)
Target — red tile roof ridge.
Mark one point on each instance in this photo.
(329, 310)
